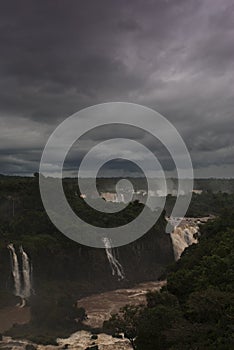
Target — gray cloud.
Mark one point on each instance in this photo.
(175, 56)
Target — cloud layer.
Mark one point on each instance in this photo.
(175, 56)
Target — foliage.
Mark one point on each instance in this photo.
(204, 204)
(196, 308)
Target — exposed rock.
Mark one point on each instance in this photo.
(94, 337)
(118, 336)
(30, 347)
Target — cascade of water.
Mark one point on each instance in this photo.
(15, 270)
(182, 237)
(23, 286)
(122, 197)
(26, 270)
(115, 265)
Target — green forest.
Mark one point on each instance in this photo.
(195, 310)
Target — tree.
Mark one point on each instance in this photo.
(126, 322)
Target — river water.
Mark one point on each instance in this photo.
(99, 308)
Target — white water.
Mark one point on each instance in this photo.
(119, 198)
(82, 340)
(182, 237)
(15, 270)
(116, 267)
(22, 282)
(77, 341)
(26, 270)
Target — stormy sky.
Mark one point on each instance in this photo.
(175, 56)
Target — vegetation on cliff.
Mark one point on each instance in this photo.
(194, 311)
(63, 269)
(196, 308)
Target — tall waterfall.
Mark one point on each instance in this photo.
(15, 270)
(115, 265)
(22, 277)
(26, 271)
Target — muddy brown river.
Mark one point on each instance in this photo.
(99, 308)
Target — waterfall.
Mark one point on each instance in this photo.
(182, 237)
(121, 198)
(22, 278)
(15, 270)
(26, 271)
(115, 265)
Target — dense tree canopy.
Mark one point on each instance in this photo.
(196, 308)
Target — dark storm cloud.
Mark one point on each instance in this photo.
(176, 56)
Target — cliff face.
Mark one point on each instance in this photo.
(141, 260)
(6, 281)
(56, 260)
